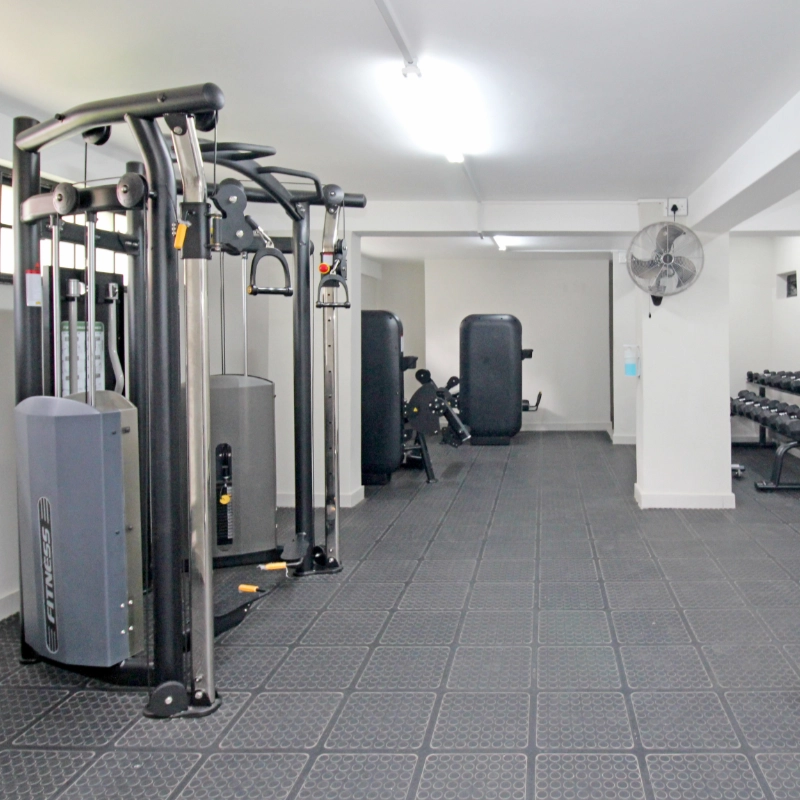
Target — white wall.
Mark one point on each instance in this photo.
(753, 297)
(275, 315)
(765, 324)
(683, 455)
(786, 313)
(562, 304)
(401, 290)
(371, 293)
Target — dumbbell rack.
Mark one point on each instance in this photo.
(774, 484)
(762, 429)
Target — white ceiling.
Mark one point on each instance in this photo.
(587, 99)
(404, 249)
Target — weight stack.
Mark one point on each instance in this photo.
(490, 370)
(72, 531)
(243, 481)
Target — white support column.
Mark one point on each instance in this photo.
(624, 322)
(683, 429)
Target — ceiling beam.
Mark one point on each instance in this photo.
(762, 172)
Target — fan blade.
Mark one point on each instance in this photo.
(667, 235)
(685, 270)
(656, 287)
(645, 270)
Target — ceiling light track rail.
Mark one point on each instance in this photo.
(398, 34)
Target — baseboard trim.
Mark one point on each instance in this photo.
(9, 604)
(565, 426)
(346, 500)
(647, 499)
(623, 438)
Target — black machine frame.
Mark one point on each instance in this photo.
(155, 323)
(148, 194)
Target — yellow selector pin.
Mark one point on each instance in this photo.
(180, 234)
(224, 499)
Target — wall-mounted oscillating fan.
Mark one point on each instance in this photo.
(664, 259)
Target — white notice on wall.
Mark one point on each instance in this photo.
(33, 288)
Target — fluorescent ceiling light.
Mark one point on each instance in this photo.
(439, 105)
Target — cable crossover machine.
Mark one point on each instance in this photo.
(119, 479)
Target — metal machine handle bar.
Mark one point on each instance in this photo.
(94, 198)
(312, 197)
(526, 406)
(258, 196)
(200, 98)
(350, 200)
(236, 151)
(331, 281)
(105, 240)
(456, 423)
(254, 195)
(270, 190)
(270, 252)
(274, 190)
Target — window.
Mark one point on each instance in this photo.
(72, 256)
(791, 284)
(6, 223)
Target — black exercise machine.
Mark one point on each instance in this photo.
(80, 506)
(382, 397)
(423, 414)
(393, 431)
(305, 556)
(490, 398)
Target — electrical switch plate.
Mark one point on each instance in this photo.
(683, 206)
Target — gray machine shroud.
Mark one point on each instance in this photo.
(72, 531)
(243, 417)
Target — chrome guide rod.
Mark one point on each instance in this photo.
(91, 305)
(55, 228)
(330, 236)
(330, 344)
(244, 311)
(198, 420)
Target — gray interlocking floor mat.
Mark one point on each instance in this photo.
(517, 630)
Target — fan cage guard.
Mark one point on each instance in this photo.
(665, 259)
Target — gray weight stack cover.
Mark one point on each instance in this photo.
(72, 531)
(243, 426)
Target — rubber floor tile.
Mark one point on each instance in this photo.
(488, 776)
(711, 775)
(382, 721)
(224, 775)
(131, 775)
(599, 776)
